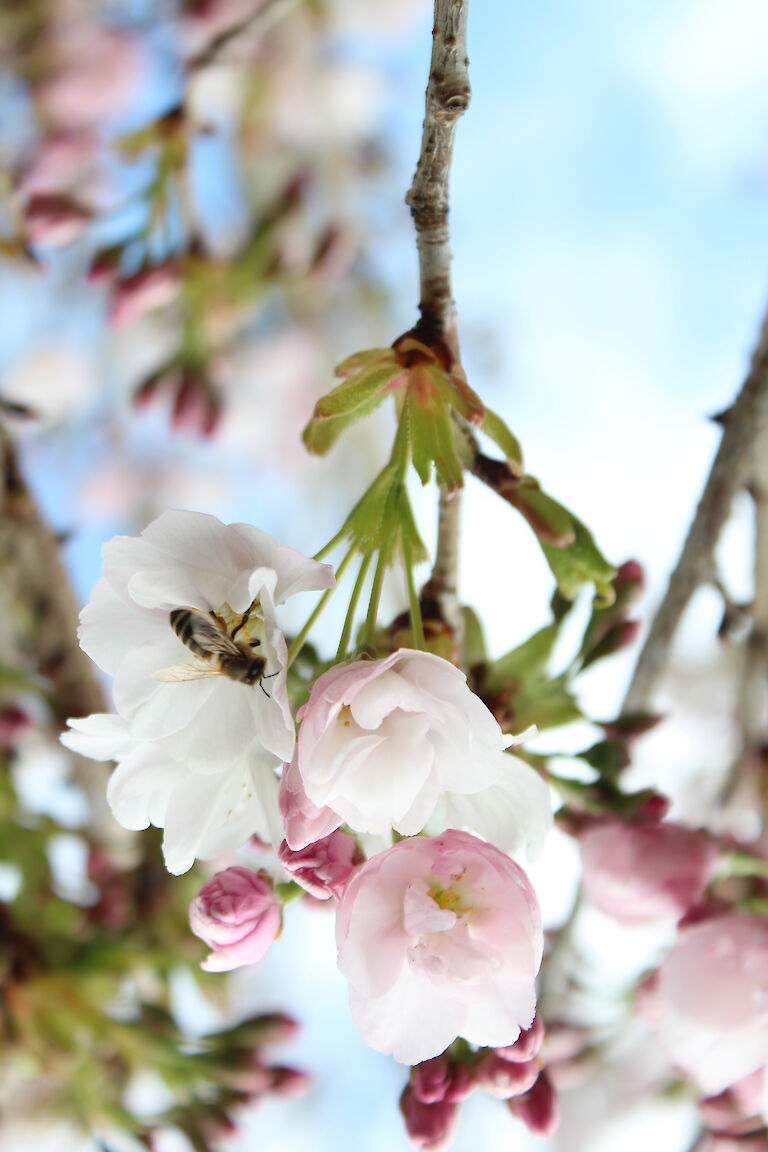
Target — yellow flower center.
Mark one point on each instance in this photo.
(449, 899)
(242, 626)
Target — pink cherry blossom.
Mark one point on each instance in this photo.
(323, 868)
(439, 938)
(238, 916)
(712, 1000)
(647, 871)
(403, 743)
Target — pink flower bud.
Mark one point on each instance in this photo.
(13, 721)
(538, 1107)
(430, 1078)
(52, 219)
(238, 916)
(290, 1081)
(648, 871)
(437, 1080)
(147, 290)
(323, 868)
(461, 1082)
(190, 405)
(527, 1045)
(429, 1126)
(629, 575)
(503, 1078)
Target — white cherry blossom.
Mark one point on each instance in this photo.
(204, 812)
(188, 560)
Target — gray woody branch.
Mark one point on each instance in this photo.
(744, 428)
(447, 98)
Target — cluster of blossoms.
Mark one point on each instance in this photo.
(439, 935)
(393, 795)
(708, 999)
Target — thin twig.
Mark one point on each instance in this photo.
(261, 19)
(447, 98)
(743, 425)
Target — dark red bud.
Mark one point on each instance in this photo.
(527, 1044)
(538, 1108)
(429, 1126)
(505, 1078)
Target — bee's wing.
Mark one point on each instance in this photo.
(197, 670)
(211, 636)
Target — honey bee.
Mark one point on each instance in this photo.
(216, 651)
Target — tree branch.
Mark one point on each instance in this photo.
(743, 426)
(447, 98)
(38, 601)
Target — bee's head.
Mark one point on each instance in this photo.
(255, 670)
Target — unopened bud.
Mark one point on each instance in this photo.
(290, 1081)
(147, 290)
(439, 1079)
(429, 1126)
(323, 868)
(505, 1078)
(538, 1108)
(51, 219)
(13, 721)
(527, 1045)
(629, 577)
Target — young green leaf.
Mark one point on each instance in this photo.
(495, 428)
(581, 563)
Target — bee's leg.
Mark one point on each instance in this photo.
(242, 624)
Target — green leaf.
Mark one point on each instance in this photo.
(369, 358)
(356, 391)
(529, 659)
(433, 439)
(581, 563)
(319, 436)
(475, 651)
(457, 394)
(495, 428)
(607, 757)
(549, 704)
(552, 523)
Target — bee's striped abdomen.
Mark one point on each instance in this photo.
(183, 625)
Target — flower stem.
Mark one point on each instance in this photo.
(373, 603)
(298, 643)
(349, 618)
(326, 548)
(417, 626)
